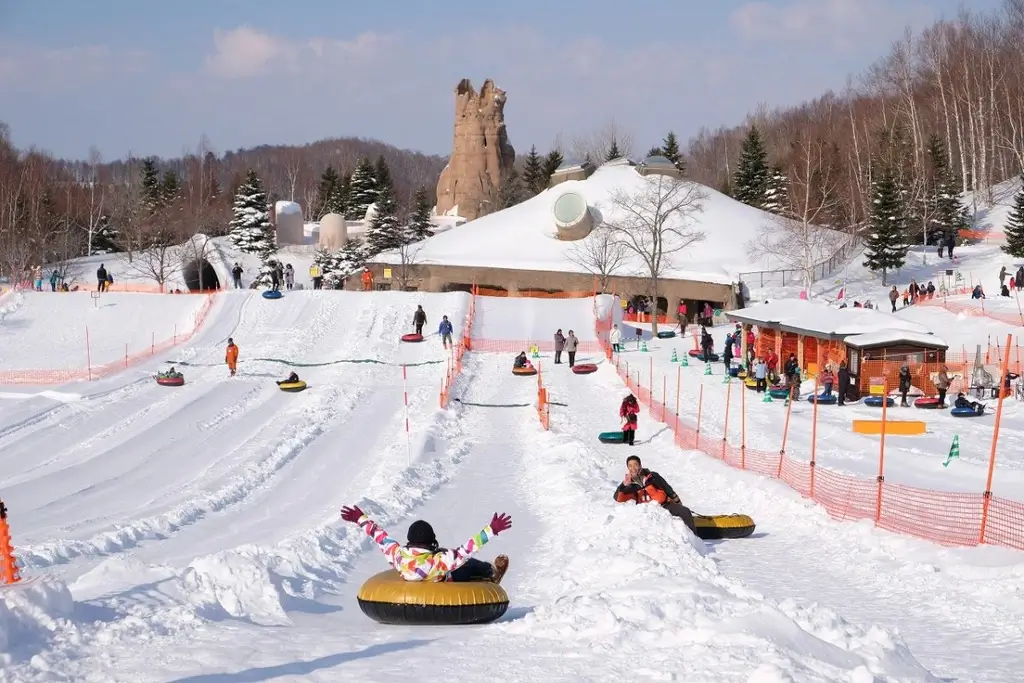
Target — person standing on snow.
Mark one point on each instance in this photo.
(231, 356)
(629, 411)
(904, 384)
(419, 319)
(289, 276)
(615, 338)
(236, 275)
(445, 330)
(571, 345)
(421, 559)
(101, 278)
(367, 278)
(761, 375)
(844, 382)
(644, 486)
(559, 345)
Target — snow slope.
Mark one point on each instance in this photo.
(198, 534)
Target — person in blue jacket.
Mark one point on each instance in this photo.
(445, 330)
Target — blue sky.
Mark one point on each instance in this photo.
(152, 77)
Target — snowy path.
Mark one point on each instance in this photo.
(956, 609)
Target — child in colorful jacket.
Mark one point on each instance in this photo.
(421, 559)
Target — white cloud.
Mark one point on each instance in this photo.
(843, 24)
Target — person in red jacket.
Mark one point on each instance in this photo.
(628, 411)
(644, 486)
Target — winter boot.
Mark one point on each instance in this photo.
(500, 565)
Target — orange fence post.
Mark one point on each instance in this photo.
(725, 429)
(651, 375)
(126, 354)
(881, 456)
(8, 563)
(995, 442)
(152, 344)
(743, 429)
(679, 379)
(814, 433)
(88, 354)
(785, 435)
(700, 409)
(664, 396)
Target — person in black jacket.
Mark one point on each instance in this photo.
(643, 486)
(844, 381)
(419, 319)
(101, 278)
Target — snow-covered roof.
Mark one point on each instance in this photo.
(657, 160)
(569, 164)
(523, 236)
(886, 337)
(825, 321)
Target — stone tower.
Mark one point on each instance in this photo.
(482, 156)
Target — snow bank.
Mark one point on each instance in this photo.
(632, 579)
(31, 614)
(48, 331)
(286, 207)
(513, 318)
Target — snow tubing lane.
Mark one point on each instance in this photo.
(610, 437)
(271, 294)
(524, 372)
(876, 401)
(170, 381)
(666, 335)
(965, 412)
(292, 387)
(412, 337)
(699, 355)
(716, 527)
(823, 400)
(584, 368)
(928, 402)
(778, 393)
(387, 598)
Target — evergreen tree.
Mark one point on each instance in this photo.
(776, 197)
(946, 213)
(150, 191)
(250, 229)
(654, 152)
(750, 184)
(613, 151)
(420, 227)
(329, 198)
(384, 231)
(886, 244)
(1015, 225)
(348, 259)
(551, 163)
(104, 237)
(511, 191)
(534, 180)
(670, 150)
(170, 188)
(362, 191)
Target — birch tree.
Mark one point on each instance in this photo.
(601, 254)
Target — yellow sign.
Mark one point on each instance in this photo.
(876, 386)
(387, 273)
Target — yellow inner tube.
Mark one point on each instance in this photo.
(292, 386)
(388, 598)
(750, 382)
(723, 526)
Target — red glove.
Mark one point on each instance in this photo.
(500, 523)
(351, 514)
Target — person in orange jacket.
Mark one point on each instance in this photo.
(641, 485)
(231, 356)
(367, 280)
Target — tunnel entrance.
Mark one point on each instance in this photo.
(200, 275)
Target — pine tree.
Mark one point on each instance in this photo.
(551, 163)
(150, 192)
(670, 150)
(511, 191)
(104, 237)
(170, 188)
(947, 214)
(613, 151)
(654, 152)
(250, 229)
(325, 260)
(362, 190)
(329, 197)
(1015, 225)
(534, 180)
(886, 244)
(385, 231)
(776, 197)
(750, 184)
(346, 261)
(420, 227)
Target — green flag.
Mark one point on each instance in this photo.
(954, 450)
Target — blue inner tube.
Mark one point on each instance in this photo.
(271, 294)
(965, 412)
(876, 401)
(779, 393)
(610, 437)
(823, 400)
(668, 334)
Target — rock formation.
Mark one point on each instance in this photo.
(482, 156)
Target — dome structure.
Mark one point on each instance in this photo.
(573, 218)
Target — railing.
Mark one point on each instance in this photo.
(784, 277)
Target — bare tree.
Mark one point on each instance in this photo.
(595, 144)
(797, 238)
(62, 248)
(161, 255)
(600, 254)
(203, 213)
(96, 192)
(408, 257)
(655, 222)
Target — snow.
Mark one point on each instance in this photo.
(192, 534)
(892, 337)
(523, 236)
(283, 207)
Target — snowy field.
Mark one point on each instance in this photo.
(192, 534)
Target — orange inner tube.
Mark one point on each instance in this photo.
(584, 368)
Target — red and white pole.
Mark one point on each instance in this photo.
(405, 398)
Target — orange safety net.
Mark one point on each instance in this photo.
(93, 372)
(8, 562)
(454, 368)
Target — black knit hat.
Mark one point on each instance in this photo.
(422, 534)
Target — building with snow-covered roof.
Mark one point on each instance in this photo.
(659, 164)
(870, 341)
(549, 242)
(571, 169)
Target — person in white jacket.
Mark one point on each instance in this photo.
(615, 337)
